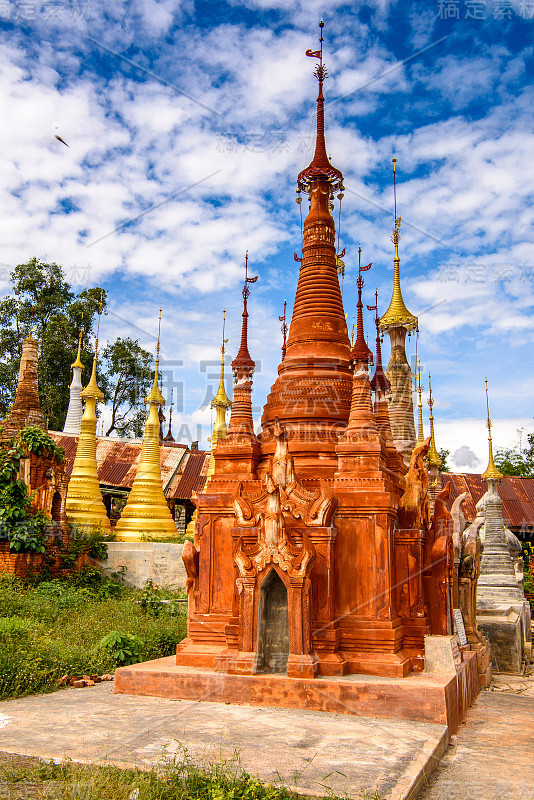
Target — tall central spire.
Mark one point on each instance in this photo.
(491, 473)
(320, 166)
(311, 396)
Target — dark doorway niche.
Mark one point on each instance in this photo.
(55, 512)
(273, 625)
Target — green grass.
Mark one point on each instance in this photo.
(54, 629)
(173, 779)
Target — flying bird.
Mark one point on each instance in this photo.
(61, 140)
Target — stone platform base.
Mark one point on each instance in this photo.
(160, 562)
(505, 634)
(427, 698)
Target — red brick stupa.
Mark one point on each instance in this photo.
(312, 552)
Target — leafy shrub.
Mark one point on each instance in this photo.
(37, 441)
(150, 602)
(53, 629)
(124, 648)
(28, 536)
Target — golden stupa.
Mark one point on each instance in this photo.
(220, 403)
(84, 505)
(146, 512)
(491, 473)
(434, 459)
(397, 313)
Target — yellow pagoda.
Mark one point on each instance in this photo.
(220, 403)
(146, 513)
(397, 322)
(84, 505)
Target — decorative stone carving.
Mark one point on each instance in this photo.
(414, 506)
(467, 552)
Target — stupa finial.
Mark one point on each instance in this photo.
(433, 455)
(78, 362)
(397, 313)
(360, 350)
(169, 437)
(379, 382)
(92, 390)
(243, 359)
(491, 473)
(419, 386)
(221, 398)
(284, 329)
(155, 397)
(320, 166)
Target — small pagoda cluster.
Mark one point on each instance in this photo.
(146, 512)
(315, 552)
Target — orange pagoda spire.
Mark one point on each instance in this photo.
(311, 396)
(361, 408)
(238, 453)
(379, 382)
(243, 362)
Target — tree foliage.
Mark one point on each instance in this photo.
(444, 454)
(42, 301)
(517, 461)
(129, 375)
(18, 522)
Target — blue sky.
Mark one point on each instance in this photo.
(187, 125)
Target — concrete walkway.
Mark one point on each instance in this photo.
(491, 758)
(312, 751)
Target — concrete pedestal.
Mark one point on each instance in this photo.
(503, 627)
(160, 562)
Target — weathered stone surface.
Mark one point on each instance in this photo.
(490, 758)
(503, 627)
(499, 598)
(160, 562)
(442, 656)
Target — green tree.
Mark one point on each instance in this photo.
(43, 301)
(517, 461)
(129, 374)
(444, 454)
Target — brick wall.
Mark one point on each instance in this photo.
(18, 563)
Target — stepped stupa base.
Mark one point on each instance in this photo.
(441, 699)
(507, 628)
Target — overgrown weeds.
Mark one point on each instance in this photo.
(173, 779)
(54, 628)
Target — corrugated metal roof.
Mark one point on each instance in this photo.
(192, 477)
(184, 472)
(117, 459)
(517, 495)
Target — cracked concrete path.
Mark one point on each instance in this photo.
(491, 756)
(315, 752)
